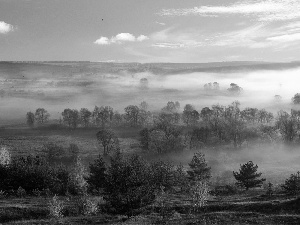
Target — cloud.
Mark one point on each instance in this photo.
(169, 45)
(102, 41)
(120, 38)
(5, 27)
(142, 38)
(285, 38)
(123, 37)
(261, 10)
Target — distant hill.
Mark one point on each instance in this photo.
(65, 68)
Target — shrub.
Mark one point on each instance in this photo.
(56, 207)
(21, 192)
(87, 206)
(53, 152)
(77, 182)
(199, 194)
(33, 173)
(2, 194)
(37, 192)
(225, 190)
(5, 156)
(292, 184)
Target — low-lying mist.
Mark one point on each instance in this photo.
(119, 89)
(275, 161)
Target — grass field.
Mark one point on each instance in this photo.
(243, 208)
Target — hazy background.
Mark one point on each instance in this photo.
(56, 86)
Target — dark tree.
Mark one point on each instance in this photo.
(41, 115)
(163, 174)
(199, 169)
(206, 114)
(190, 116)
(30, 119)
(145, 138)
(235, 89)
(97, 177)
(199, 136)
(108, 140)
(129, 184)
(103, 115)
(249, 114)
(248, 177)
(132, 113)
(287, 125)
(71, 117)
(292, 184)
(171, 107)
(296, 99)
(117, 118)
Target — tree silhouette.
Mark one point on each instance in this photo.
(248, 177)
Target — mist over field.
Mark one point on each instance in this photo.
(56, 86)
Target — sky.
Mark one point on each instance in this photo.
(150, 31)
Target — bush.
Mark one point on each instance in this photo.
(129, 184)
(225, 190)
(29, 172)
(77, 184)
(37, 192)
(87, 206)
(53, 152)
(33, 173)
(199, 194)
(291, 185)
(56, 208)
(21, 192)
(5, 156)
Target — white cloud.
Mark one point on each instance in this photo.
(142, 38)
(5, 27)
(262, 10)
(169, 45)
(285, 38)
(102, 41)
(123, 37)
(120, 38)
